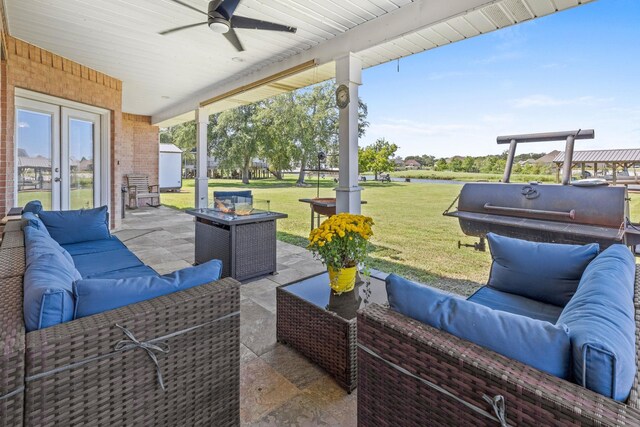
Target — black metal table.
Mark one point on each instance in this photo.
(322, 325)
(322, 206)
(246, 244)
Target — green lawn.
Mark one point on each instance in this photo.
(79, 198)
(411, 238)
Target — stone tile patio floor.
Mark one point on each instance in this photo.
(278, 387)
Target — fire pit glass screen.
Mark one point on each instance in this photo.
(240, 206)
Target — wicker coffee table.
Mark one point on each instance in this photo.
(322, 326)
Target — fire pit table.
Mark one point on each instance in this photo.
(246, 244)
(322, 325)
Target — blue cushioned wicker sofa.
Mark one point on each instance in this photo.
(552, 339)
(97, 337)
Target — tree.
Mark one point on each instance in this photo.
(441, 165)
(365, 160)
(278, 135)
(469, 164)
(427, 160)
(236, 138)
(455, 164)
(379, 156)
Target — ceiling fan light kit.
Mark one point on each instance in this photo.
(220, 20)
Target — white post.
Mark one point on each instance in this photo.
(202, 180)
(348, 73)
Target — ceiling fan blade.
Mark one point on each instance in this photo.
(184, 27)
(228, 7)
(256, 24)
(234, 40)
(216, 4)
(187, 5)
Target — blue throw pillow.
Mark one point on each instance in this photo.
(48, 292)
(99, 295)
(546, 272)
(34, 206)
(38, 243)
(537, 343)
(602, 325)
(78, 225)
(32, 220)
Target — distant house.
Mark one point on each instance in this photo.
(412, 164)
(527, 162)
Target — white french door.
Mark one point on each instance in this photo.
(58, 155)
(80, 159)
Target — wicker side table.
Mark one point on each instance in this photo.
(322, 326)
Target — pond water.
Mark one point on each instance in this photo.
(420, 180)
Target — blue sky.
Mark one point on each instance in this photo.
(575, 69)
(34, 135)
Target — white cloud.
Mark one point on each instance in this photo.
(550, 101)
(23, 125)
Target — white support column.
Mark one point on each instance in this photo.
(202, 180)
(349, 73)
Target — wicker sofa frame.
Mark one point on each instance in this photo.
(410, 374)
(75, 373)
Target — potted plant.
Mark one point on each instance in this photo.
(342, 243)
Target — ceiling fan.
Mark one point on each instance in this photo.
(221, 20)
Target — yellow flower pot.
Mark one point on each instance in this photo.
(342, 280)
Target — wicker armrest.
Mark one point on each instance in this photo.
(151, 187)
(133, 189)
(12, 351)
(76, 364)
(394, 351)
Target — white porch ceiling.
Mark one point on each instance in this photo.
(168, 76)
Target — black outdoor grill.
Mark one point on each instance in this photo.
(586, 211)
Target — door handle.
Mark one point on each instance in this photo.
(57, 179)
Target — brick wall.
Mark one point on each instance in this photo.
(141, 147)
(29, 67)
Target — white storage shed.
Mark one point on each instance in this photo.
(170, 170)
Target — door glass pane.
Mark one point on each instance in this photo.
(80, 164)
(34, 157)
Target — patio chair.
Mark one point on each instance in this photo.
(139, 188)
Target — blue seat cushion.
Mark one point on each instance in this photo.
(601, 324)
(99, 295)
(515, 304)
(48, 292)
(32, 220)
(545, 272)
(38, 243)
(138, 271)
(94, 246)
(90, 265)
(77, 225)
(34, 206)
(537, 343)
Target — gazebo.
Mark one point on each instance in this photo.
(604, 160)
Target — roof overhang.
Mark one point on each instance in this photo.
(169, 77)
(413, 28)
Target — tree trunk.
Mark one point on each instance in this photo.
(277, 174)
(376, 176)
(245, 175)
(303, 163)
